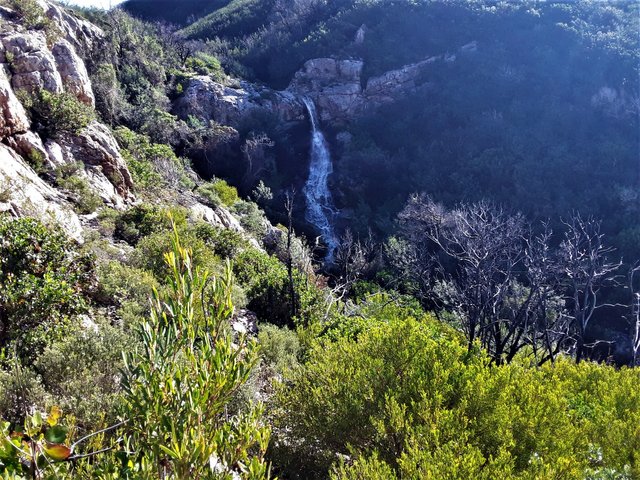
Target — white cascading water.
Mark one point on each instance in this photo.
(320, 209)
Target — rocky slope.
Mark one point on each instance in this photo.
(32, 60)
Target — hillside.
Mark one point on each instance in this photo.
(172, 12)
(313, 239)
(542, 116)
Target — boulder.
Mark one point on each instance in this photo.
(29, 146)
(13, 117)
(213, 101)
(83, 35)
(96, 147)
(24, 194)
(32, 64)
(73, 72)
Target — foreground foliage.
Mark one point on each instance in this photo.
(406, 399)
(178, 385)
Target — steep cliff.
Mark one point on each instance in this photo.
(45, 174)
(337, 86)
(47, 58)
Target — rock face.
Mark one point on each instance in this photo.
(23, 193)
(13, 117)
(30, 61)
(340, 93)
(97, 149)
(212, 101)
(73, 72)
(336, 87)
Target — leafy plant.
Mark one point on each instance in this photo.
(188, 368)
(41, 448)
(85, 199)
(58, 113)
(42, 281)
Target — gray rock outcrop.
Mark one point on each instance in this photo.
(212, 101)
(73, 72)
(31, 60)
(336, 86)
(13, 117)
(23, 193)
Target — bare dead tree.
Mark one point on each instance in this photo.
(633, 317)
(484, 244)
(587, 270)
(288, 205)
(255, 152)
(485, 264)
(353, 259)
(548, 325)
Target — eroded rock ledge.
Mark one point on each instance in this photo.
(335, 85)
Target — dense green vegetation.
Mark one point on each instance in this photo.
(405, 399)
(371, 388)
(164, 347)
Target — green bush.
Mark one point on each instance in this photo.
(127, 287)
(149, 253)
(20, 391)
(226, 193)
(85, 199)
(209, 195)
(178, 385)
(144, 219)
(81, 371)
(279, 348)
(406, 400)
(251, 218)
(225, 242)
(205, 64)
(44, 281)
(266, 282)
(33, 17)
(218, 193)
(152, 165)
(58, 113)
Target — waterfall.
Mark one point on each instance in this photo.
(320, 209)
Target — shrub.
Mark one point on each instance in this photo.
(153, 165)
(251, 218)
(267, 285)
(81, 371)
(279, 348)
(149, 253)
(33, 17)
(58, 113)
(218, 193)
(406, 397)
(225, 242)
(187, 371)
(20, 391)
(205, 64)
(43, 281)
(85, 199)
(127, 287)
(227, 194)
(144, 219)
(266, 282)
(209, 195)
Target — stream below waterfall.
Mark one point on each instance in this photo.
(320, 211)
